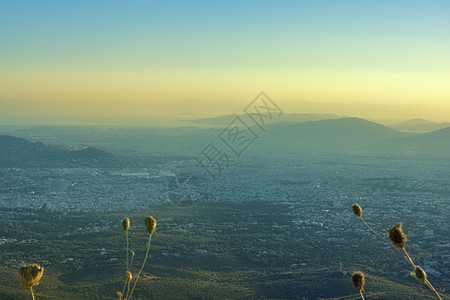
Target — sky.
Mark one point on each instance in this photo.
(378, 52)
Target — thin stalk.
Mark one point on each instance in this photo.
(143, 264)
(131, 263)
(32, 294)
(128, 290)
(128, 266)
(408, 258)
(433, 289)
(124, 285)
(362, 297)
(371, 229)
(128, 287)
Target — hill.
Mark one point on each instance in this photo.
(344, 128)
(419, 125)
(353, 135)
(434, 136)
(329, 135)
(435, 142)
(19, 152)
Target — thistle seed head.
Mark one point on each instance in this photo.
(357, 210)
(31, 274)
(129, 276)
(397, 236)
(419, 273)
(150, 224)
(358, 280)
(126, 224)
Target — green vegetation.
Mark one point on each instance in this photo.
(216, 250)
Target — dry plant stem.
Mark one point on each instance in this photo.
(433, 289)
(371, 229)
(362, 297)
(408, 258)
(131, 263)
(128, 266)
(32, 294)
(143, 264)
(128, 290)
(123, 290)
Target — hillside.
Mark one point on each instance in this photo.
(220, 256)
(336, 128)
(434, 136)
(419, 125)
(329, 135)
(19, 152)
(435, 142)
(353, 134)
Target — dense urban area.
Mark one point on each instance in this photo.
(270, 226)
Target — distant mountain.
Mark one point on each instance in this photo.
(345, 134)
(298, 118)
(352, 135)
(419, 125)
(337, 128)
(19, 152)
(434, 136)
(435, 142)
(333, 131)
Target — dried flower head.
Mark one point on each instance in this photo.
(397, 236)
(126, 224)
(132, 253)
(357, 210)
(129, 276)
(31, 274)
(419, 273)
(358, 280)
(150, 224)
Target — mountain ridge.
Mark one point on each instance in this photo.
(224, 120)
(419, 125)
(353, 134)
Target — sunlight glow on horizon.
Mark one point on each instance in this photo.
(379, 52)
